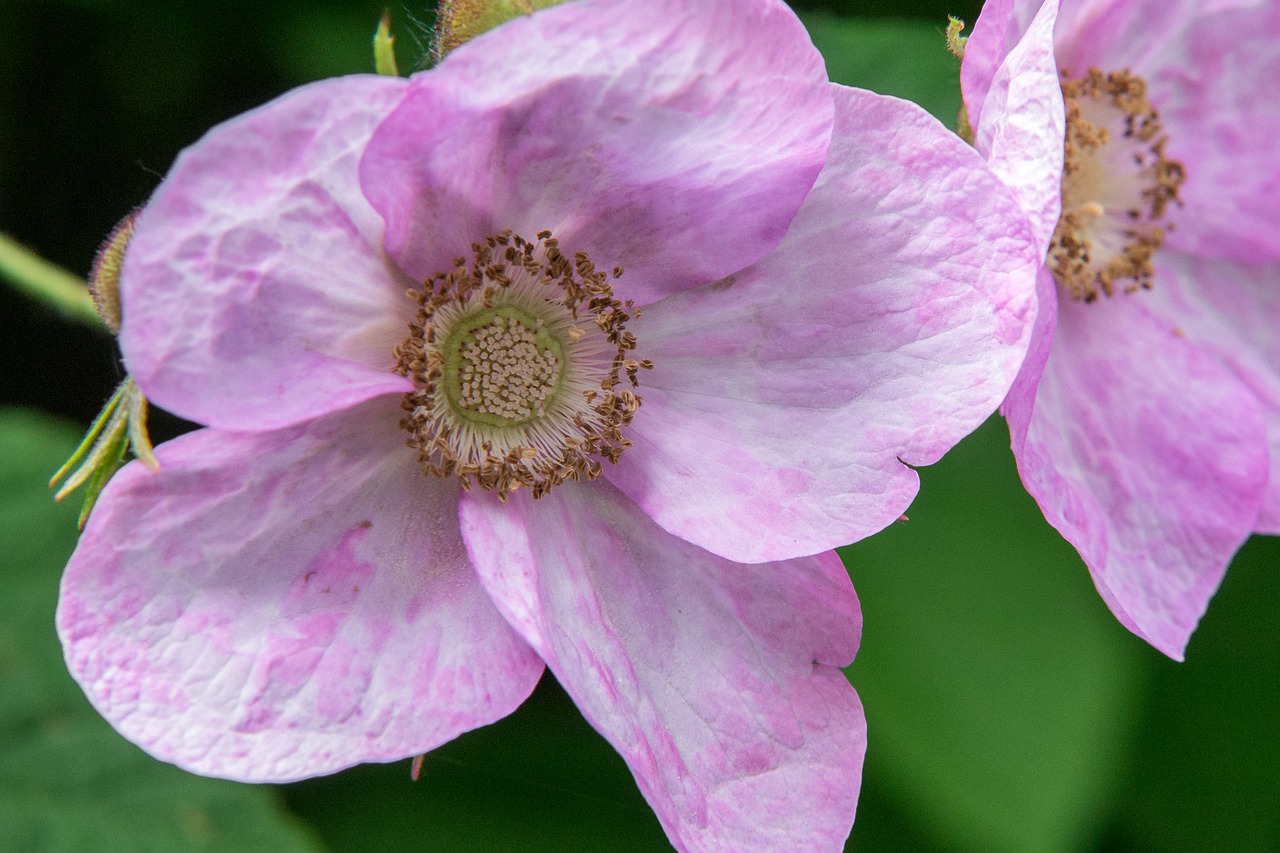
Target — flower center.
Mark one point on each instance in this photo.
(500, 366)
(518, 358)
(1117, 185)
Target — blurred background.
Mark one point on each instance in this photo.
(1007, 710)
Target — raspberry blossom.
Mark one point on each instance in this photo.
(679, 310)
(1138, 136)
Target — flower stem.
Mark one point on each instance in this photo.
(46, 282)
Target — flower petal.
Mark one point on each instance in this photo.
(718, 683)
(1211, 70)
(886, 326)
(1147, 455)
(271, 606)
(1014, 100)
(1222, 123)
(1233, 311)
(674, 139)
(255, 291)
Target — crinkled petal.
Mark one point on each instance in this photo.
(276, 605)
(1136, 34)
(1222, 121)
(994, 34)
(1014, 100)
(1211, 70)
(1147, 455)
(1233, 311)
(888, 324)
(719, 683)
(674, 139)
(256, 294)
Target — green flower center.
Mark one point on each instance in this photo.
(501, 366)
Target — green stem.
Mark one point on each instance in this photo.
(46, 282)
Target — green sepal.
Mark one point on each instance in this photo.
(87, 444)
(955, 41)
(119, 427)
(384, 48)
(112, 461)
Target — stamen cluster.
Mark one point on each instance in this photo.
(1117, 186)
(519, 358)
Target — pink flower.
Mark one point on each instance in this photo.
(1142, 418)
(820, 285)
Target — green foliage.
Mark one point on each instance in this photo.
(68, 782)
(907, 59)
(540, 781)
(1000, 693)
(1206, 771)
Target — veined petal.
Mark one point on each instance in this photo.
(255, 291)
(1148, 456)
(1215, 88)
(1014, 100)
(1233, 311)
(718, 683)
(1132, 34)
(677, 141)
(887, 325)
(1210, 67)
(994, 34)
(276, 605)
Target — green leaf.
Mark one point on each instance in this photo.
(1207, 772)
(907, 59)
(67, 780)
(539, 781)
(1000, 693)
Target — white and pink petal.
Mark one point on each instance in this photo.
(255, 291)
(719, 683)
(1231, 310)
(677, 142)
(277, 605)
(1210, 67)
(788, 400)
(1148, 455)
(1013, 96)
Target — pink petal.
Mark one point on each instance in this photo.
(675, 139)
(718, 683)
(996, 32)
(1115, 34)
(271, 606)
(1014, 99)
(887, 325)
(1211, 70)
(255, 290)
(1147, 455)
(1233, 311)
(1217, 100)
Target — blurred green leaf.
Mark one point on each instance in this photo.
(68, 782)
(1207, 772)
(1001, 695)
(539, 781)
(907, 59)
(323, 40)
